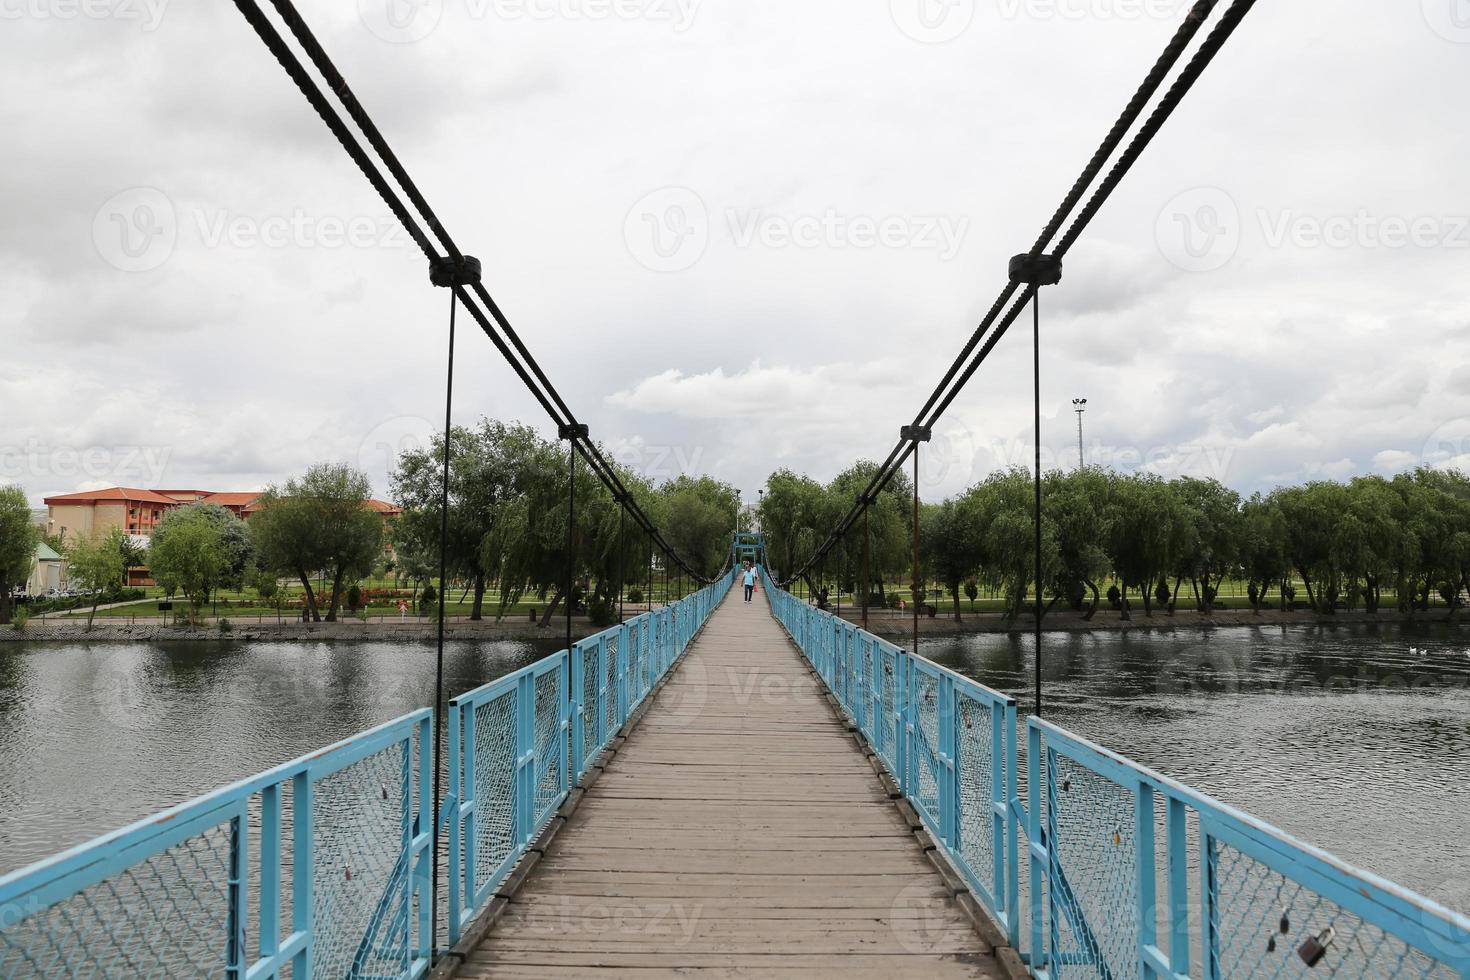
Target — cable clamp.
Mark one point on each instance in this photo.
(1043, 270)
(916, 433)
(449, 271)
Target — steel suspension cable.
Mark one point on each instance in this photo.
(940, 400)
(529, 372)
(439, 656)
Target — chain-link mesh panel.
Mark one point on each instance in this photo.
(549, 755)
(1093, 865)
(495, 768)
(611, 708)
(361, 818)
(1262, 919)
(166, 915)
(975, 765)
(889, 720)
(925, 762)
(591, 703)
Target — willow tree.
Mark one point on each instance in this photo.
(18, 539)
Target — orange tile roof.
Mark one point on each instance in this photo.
(111, 493)
(232, 499)
(385, 508)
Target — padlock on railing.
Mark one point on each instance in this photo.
(1315, 948)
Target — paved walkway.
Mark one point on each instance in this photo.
(737, 832)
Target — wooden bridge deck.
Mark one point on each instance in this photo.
(738, 832)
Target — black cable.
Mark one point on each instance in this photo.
(550, 400)
(439, 658)
(1181, 86)
(1036, 389)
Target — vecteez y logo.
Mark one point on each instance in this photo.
(1199, 230)
(668, 230)
(400, 21)
(1450, 19)
(932, 21)
(136, 230)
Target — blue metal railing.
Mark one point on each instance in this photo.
(519, 744)
(1129, 873)
(321, 868)
(948, 742)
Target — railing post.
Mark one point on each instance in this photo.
(1178, 871)
(602, 732)
(948, 760)
(625, 659)
(578, 711)
(1010, 875)
(270, 870)
(456, 792)
(1146, 878)
(303, 871)
(564, 721)
(1210, 899)
(905, 721)
(1040, 846)
(237, 898)
(525, 781)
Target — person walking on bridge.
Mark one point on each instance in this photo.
(749, 581)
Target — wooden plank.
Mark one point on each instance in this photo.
(737, 832)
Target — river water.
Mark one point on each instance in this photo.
(1355, 738)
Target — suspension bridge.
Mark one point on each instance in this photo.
(716, 787)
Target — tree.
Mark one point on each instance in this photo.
(1143, 527)
(999, 513)
(18, 539)
(790, 506)
(1073, 504)
(698, 517)
(1209, 542)
(1314, 545)
(1262, 549)
(482, 482)
(949, 550)
(97, 564)
(189, 554)
(319, 522)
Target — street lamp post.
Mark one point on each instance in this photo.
(1079, 405)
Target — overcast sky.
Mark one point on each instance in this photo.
(738, 234)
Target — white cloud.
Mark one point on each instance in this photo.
(533, 139)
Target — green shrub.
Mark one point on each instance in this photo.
(602, 611)
(224, 625)
(427, 599)
(635, 595)
(19, 617)
(354, 598)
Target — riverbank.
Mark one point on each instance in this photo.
(349, 630)
(897, 626)
(890, 624)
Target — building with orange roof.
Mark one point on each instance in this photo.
(78, 515)
(139, 512)
(239, 504)
(185, 496)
